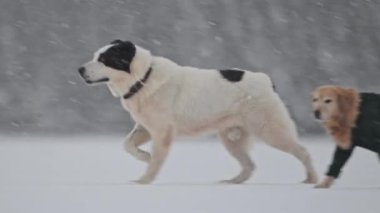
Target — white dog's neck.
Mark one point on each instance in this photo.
(125, 88)
(114, 89)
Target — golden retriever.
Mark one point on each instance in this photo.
(351, 118)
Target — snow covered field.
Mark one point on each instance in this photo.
(92, 174)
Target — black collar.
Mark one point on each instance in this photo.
(138, 85)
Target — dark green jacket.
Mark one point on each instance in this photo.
(365, 134)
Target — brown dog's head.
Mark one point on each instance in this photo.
(337, 108)
(333, 103)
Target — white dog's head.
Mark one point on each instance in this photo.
(120, 61)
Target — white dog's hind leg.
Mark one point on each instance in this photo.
(284, 140)
(160, 150)
(235, 140)
(137, 137)
(303, 155)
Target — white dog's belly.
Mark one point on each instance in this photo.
(206, 127)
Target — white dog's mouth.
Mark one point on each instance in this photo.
(96, 81)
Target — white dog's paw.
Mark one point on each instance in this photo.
(322, 186)
(243, 176)
(231, 181)
(311, 180)
(144, 180)
(236, 180)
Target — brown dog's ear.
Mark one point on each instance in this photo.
(348, 103)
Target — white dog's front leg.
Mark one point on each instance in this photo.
(137, 137)
(161, 145)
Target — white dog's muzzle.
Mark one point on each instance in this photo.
(82, 73)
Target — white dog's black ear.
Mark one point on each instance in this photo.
(119, 56)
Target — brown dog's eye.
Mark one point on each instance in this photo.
(328, 101)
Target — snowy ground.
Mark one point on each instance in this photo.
(91, 174)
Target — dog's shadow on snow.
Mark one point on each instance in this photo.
(185, 184)
(217, 184)
(256, 185)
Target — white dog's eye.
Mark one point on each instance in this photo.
(315, 99)
(328, 101)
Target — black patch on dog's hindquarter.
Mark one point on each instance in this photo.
(232, 75)
(119, 56)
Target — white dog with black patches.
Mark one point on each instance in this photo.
(168, 101)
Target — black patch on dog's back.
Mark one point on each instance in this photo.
(232, 75)
(119, 56)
